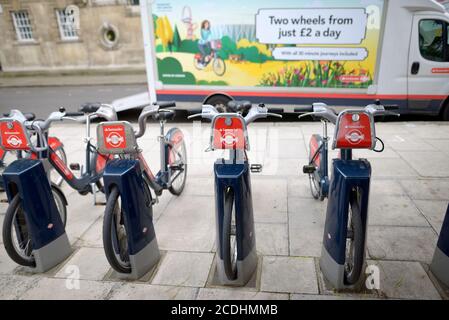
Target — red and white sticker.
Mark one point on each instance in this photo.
(440, 70)
(114, 136)
(228, 134)
(13, 136)
(354, 131)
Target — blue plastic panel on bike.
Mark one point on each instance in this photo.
(28, 178)
(346, 175)
(138, 217)
(116, 137)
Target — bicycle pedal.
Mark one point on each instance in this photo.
(75, 166)
(256, 168)
(309, 169)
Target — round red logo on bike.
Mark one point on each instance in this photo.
(354, 137)
(114, 136)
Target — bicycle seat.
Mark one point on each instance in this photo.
(164, 115)
(28, 116)
(236, 106)
(90, 107)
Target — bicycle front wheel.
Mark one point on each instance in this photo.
(16, 234)
(229, 241)
(219, 66)
(354, 245)
(115, 238)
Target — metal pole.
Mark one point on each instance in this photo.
(148, 44)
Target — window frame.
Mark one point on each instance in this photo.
(20, 32)
(445, 39)
(60, 13)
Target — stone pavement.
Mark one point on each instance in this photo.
(410, 194)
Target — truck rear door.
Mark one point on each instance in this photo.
(428, 74)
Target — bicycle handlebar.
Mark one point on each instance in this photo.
(151, 110)
(303, 109)
(254, 113)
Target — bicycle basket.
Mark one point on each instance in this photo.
(355, 130)
(229, 132)
(14, 135)
(116, 137)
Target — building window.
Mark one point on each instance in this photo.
(433, 40)
(66, 25)
(133, 2)
(22, 24)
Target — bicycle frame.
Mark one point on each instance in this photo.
(91, 175)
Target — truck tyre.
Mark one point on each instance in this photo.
(219, 101)
(445, 114)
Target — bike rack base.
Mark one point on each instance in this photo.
(440, 261)
(50, 243)
(236, 176)
(143, 248)
(52, 254)
(245, 270)
(347, 174)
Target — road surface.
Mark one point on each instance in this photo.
(43, 100)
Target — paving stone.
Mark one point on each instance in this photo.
(7, 266)
(434, 211)
(189, 269)
(298, 275)
(188, 224)
(385, 187)
(81, 215)
(92, 264)
(391, 168)
(286, 148)
(13, 286)
(58, 289)
(238, 294)
(405, 280)
(306, 226)
(435, 189)
(431, 130)
(269, 200)
(272, 239)
(133, 291)
(401, 243)
(93, 237)
(441, 145)
(394, 211)
(421, 160)
(403, 143)
(200, 187)
(331, 297)
(284, 132)
(299, 187)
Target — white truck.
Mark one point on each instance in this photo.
(345, 53)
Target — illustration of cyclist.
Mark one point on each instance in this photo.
(204, 44)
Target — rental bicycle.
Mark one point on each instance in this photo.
(123, 224)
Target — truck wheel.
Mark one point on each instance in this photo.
(446, 112)
(219, 101)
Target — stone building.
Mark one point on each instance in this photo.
(39, 36)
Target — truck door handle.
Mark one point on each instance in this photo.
(415, 67)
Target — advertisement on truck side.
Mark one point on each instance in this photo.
(285, 43)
